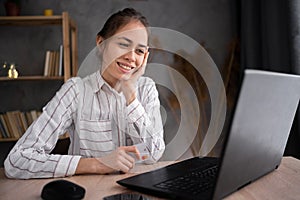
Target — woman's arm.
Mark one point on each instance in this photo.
(144, 120)
(143, 113)
(30, 157)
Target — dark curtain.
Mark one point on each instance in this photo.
(270, 40)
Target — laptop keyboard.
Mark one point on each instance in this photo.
(194, 182)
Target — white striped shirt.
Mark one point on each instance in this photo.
(98, 121)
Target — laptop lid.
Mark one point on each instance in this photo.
(259, 130)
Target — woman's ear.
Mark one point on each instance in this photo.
(100, 43)
(99, 40)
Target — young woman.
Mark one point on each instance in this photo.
(106, 113)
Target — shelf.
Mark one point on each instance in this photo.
(64, 136)
(30, 20)
(32, 78)
(8, 139)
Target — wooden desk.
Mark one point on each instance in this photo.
(283, 183)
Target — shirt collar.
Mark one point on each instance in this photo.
(98, 82)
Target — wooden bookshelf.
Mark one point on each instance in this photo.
(69, 36)
(69, 50)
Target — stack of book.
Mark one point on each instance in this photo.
(13, 124)
(54, 62)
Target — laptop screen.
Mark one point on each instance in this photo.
(259, 130)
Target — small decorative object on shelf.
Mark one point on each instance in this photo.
(48, 12)
(4, 70)
(12, 72)
(12, 7)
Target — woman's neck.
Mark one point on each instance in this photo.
(113, 83)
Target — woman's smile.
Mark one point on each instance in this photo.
(125, 67)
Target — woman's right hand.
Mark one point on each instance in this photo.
(118, 160)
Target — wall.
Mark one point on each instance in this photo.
(209, 22)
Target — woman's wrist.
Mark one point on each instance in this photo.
(130, 98)
(91, 166)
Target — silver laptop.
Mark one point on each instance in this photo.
(254, 145)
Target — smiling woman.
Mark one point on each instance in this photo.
(109, 114)
(124, 53)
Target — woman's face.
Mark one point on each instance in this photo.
(124, 52)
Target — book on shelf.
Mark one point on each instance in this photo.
(13, 124)
(5, 133)
(47, 62)
(2, 130)
(23, 121)
(34, 115)
(28, 117)
(61, 56)
(53, 65)
(7, 124)
(49, 68)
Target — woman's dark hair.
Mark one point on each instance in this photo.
(120, 19)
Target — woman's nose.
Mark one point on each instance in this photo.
(130, 55)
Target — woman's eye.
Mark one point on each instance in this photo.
(140, 51)
(123, 45)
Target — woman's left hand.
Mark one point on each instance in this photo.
(128, 86)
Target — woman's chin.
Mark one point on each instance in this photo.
(125, 77)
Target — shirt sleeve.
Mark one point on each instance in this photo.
(30, 157)
(145, 124)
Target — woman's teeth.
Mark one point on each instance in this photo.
(125, 66)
